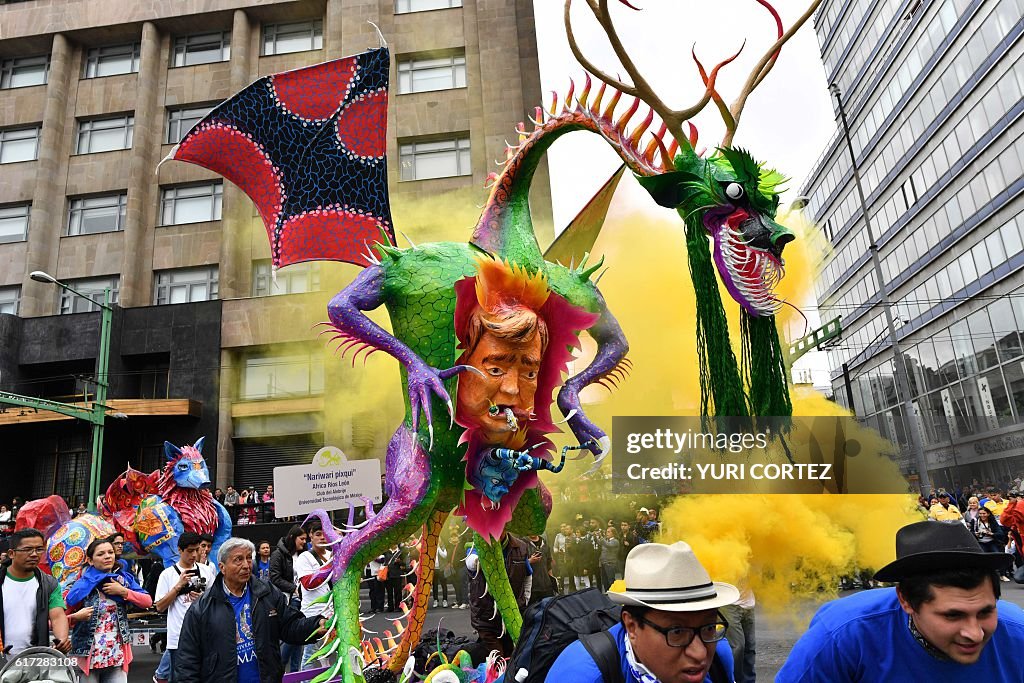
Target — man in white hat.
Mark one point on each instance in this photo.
(670, 625)
(942, 622)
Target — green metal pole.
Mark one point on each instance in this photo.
(99, 406)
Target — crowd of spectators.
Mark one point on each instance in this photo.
(586, 550)
(247, 506)
(990, 512)
(8, 514)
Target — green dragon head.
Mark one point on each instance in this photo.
(736, 200)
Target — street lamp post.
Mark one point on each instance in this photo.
(98, 412)
(902, 380)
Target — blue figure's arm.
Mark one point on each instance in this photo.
(164, 544)
(223, 532)
(167, 552)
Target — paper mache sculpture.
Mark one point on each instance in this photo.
(492, 322)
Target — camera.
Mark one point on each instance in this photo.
(196, 582)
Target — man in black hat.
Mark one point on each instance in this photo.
(938, 624)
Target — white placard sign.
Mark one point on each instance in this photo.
(331, 482)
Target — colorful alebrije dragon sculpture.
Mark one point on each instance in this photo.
(149, 510)
(308, 147)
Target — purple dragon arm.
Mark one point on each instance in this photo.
(353, 328)
(609, 365)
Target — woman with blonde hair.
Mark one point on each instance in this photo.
(971, 513)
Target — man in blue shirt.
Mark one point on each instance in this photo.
(942, 622)
(670, 625)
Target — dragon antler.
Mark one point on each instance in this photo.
(764, 65)
(674, 118)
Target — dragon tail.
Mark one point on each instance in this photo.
(504, 227)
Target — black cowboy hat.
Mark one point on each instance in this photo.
(927, 547)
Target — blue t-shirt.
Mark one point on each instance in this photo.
(575, 665)
(248, 668)
(866, 637)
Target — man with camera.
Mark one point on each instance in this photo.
(179, 586)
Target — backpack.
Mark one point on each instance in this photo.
(554, 623)
(551, 625)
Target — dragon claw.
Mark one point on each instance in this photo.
(456, 369)
(597, 463)
(572, 413)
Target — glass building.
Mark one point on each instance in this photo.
(932, 90)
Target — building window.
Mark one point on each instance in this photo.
(90, 215)
(423, 75)
(434, 159)
(283, 376)
(191, 204)
(92, 288)
(14, 223)
(202, 48)
(185, 285)
(403, 6)
(180, 121)
(105, 135)
(22, 72)
(280, 39)
(9, 297)
(294, 279)
(112, 60)
(19, 144)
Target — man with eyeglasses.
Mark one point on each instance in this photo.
(670, 625)
(30, 601)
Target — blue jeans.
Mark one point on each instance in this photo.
(308, 651)
(163, 669)
(291, 655)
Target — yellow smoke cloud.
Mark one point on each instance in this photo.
(784, 546)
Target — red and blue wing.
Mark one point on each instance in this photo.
(308, 147)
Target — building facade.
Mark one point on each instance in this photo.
(93, 94)
(932, 90)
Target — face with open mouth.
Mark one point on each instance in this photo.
(688, 664)
(501, 401)
(958, 622)
(748, 254)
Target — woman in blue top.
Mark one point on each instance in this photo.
(263, 560)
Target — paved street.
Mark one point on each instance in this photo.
(775, 634)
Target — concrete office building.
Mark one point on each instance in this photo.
(932, 91)
(93, 94)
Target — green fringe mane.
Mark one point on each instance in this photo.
(764, 367)
(720, 382)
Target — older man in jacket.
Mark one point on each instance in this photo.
(232, 632)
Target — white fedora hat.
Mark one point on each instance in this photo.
(671, 578)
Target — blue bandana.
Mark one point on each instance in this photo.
(93, 578)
